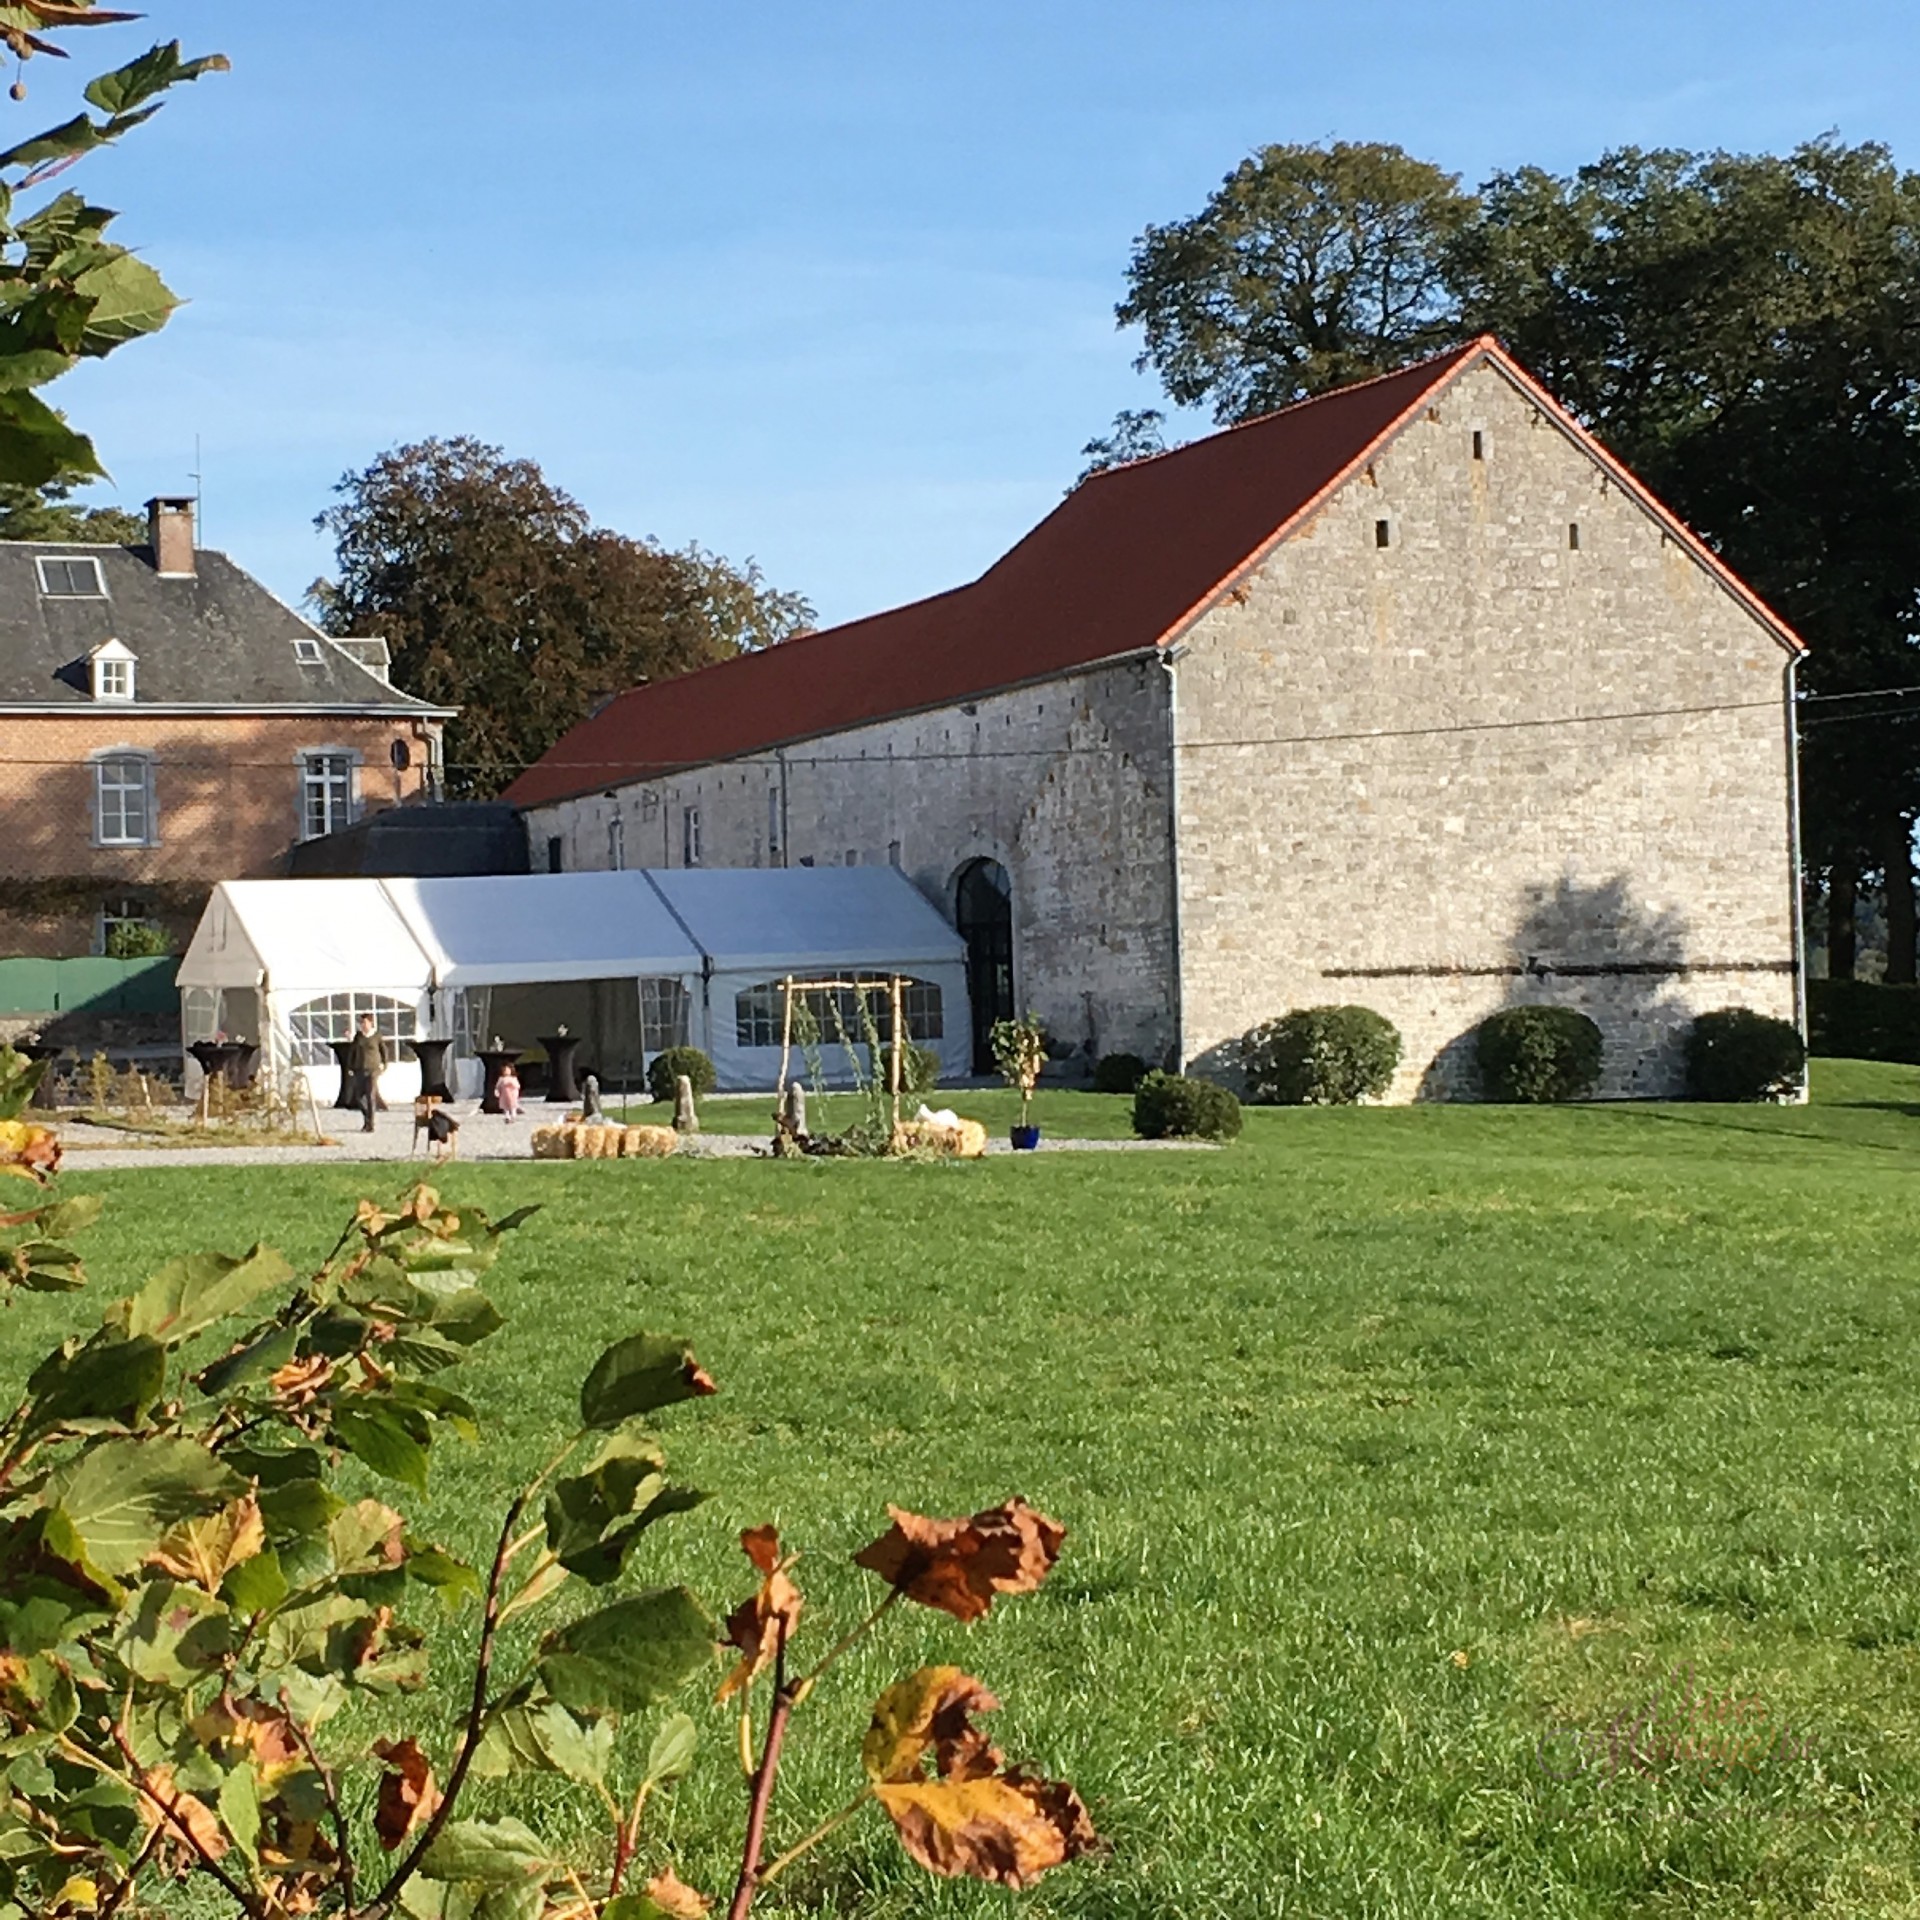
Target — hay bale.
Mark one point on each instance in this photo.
(647, 1143)
(596, 1143)
(553, 1143)
(967, 1141)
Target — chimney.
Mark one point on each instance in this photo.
(170, 534)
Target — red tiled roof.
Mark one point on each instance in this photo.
(1121, 565)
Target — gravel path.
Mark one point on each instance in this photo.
(483, 1136)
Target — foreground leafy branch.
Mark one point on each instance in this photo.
(188, 1601)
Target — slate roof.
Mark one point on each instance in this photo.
(1122, 565)
(426, 841)
(215, 639)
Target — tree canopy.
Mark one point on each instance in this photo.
(50, 513)
(1743, 330)
(497, 594)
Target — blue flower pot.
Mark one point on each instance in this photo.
(1025, 1139)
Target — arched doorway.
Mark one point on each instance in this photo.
(983, 917)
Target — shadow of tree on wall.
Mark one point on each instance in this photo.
(1600, 950)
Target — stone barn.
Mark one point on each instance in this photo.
(1407, 695)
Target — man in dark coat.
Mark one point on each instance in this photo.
(366, 1056)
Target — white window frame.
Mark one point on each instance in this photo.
(112, 679)
(689, 836)
(306, 760)
(122, 911)
(45, 560)
(115, 758)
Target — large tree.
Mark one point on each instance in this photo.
(50, 513)
(1308, 267)
(497, 595)
(1744, 330)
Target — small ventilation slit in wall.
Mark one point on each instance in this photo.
(1573, 536)
(1479, 444)
(1383, 533)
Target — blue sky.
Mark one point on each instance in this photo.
(828, 285)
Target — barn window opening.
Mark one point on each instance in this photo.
(617, 844)
(1573, 536)
(1479, 444)
(556, 854)
(1383, 533)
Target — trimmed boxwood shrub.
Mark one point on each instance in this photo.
(1118, 1073)
(1167, 1106)
(1537, 1054)
(668, 1066)
(1321, 1057)
(1736, 1054)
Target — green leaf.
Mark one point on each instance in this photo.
(177, 1635)
(495, 1853)
(674, 1746)
(125, 88)
(629, 1655)
(188, 1295)
(452, 1579)
(544, 1738)
(240, 1809)
(638, 1375)
(37, 445)
(391, 1440)
(109, 1381)
(255, 1586)
(256, 1358)
(120, 1496)
(70, 1216)
(75, 136)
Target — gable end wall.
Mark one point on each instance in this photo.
(1478, 767)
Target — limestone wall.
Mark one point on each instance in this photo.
(1482, 764)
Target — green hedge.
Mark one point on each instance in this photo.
(1863, 1020)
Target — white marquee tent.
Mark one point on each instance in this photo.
(632, 962)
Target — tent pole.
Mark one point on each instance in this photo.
(786, 1041)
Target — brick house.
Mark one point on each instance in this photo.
(1408, 695)
(165, 723)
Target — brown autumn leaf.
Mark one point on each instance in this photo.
(29, 1152)
(959, 1566)
(163, 1805)
(1006, 1828)
(264, 1734)
(202, 1550)
(759, 1625)
(930, 1709)
(299, 1382)
(408, 1796)
(672, 1895)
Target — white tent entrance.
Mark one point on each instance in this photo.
(632, 962)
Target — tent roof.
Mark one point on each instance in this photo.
(315, 936)
(326, 936)
(782, 919)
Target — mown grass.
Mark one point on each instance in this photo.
(1403, 1452)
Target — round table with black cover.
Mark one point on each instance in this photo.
(432, 1055)
(561, 1048)
(222, 1059)
(496, 1060)
(37, 1050)
(340, 1049)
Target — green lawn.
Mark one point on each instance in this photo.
(1402, 1451)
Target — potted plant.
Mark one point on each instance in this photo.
(1020, 1051)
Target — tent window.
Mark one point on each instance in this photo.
(316, 1024)
(199, 1014)
(663, 1015)
(759, 1013)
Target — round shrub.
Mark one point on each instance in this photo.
(1321, 1057)
(1118, 1073)
(668, 1066)
(1735, 1054)
(1167, 1106)
(1531, 1055)
(919, 1069)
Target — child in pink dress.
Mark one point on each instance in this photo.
(507, 1091)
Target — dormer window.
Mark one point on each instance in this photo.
(307, 652)
(70, 577)
(112, 665)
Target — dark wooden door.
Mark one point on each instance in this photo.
(983, 915)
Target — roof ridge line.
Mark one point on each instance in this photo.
(1292, 406)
